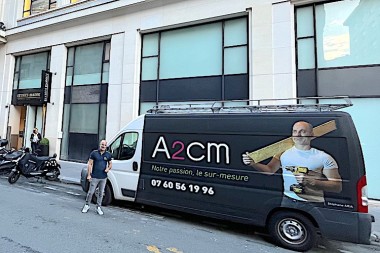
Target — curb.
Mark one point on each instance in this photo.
(69, 180)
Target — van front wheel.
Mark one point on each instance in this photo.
(292, 231)
(107, 196)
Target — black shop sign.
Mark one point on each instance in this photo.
(35, 96)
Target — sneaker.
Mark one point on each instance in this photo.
(85, 208)
(99, 210)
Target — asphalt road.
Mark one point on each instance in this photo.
(45, 217)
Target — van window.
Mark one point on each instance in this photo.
(114, 147)
(129, 146)
(124, 147)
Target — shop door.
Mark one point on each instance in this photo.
(21, 134)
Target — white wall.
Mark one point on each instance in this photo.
(116, 74)
(54, 110)
(284, 63)
(6, 85)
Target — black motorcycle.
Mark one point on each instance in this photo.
(29, 165)
(9, 161)
(3, 150)
(8, 158)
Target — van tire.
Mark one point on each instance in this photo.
(292, 230)
(107, 196)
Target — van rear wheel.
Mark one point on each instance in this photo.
(292, 231)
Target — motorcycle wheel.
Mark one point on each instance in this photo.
(55, 175)
(13, 177)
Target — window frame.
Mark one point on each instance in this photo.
(28, 7)
(18, 64)
(312, 82)
(223, 86)
(70, 100)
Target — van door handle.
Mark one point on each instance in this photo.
(135, 166)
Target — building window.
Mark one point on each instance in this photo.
(76, 1)
(28, 70)
(338, 48)
(200, 63)
(32, 7)
(85, 103)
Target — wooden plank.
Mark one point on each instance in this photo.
(285, 144)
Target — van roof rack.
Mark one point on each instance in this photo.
(304, 104)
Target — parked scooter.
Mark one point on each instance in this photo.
(8, 158)
(9, 161)
(3, 150)
(29, 165)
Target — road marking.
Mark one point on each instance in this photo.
(51, 188)
(153, 249)
(73, 193)
(174, 250)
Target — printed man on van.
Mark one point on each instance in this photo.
(98, 165)
(307, 171)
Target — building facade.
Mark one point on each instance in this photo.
(80, 70)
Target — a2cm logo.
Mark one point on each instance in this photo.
(180, 151)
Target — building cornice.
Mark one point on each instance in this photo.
(80, 10)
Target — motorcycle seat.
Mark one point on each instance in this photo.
(13, 155)
(42, 158)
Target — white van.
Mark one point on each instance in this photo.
(192, 162)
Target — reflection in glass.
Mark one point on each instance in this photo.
(306, 59)
(235, 32)
(348, 33)
(129, 146)
(150, 45)
(305, 22)
(30, 70)
(235, 60)
(190, 52)
(115, 148)
(88, 64)
(149, 68)
(84, 118)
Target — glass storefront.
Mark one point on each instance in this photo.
(85, 104)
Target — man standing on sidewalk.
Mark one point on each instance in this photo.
(98, 166)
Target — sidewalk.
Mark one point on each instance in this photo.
(70, 173)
